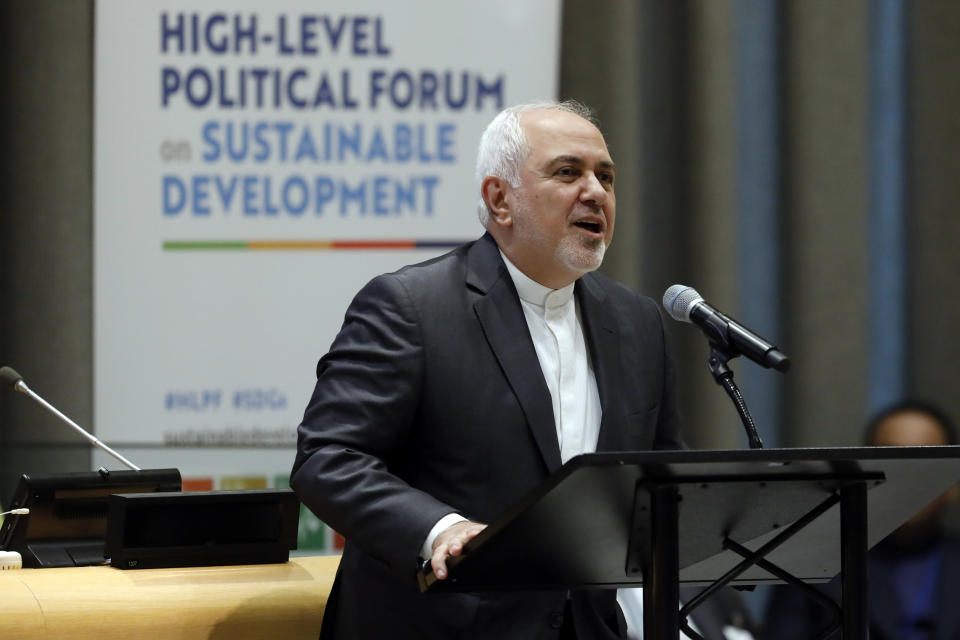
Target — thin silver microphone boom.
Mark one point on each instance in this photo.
(15, 380)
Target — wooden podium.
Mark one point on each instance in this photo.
(242, 602)
(665, 518)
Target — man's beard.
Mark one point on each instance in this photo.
(581, 254)
(575, 252)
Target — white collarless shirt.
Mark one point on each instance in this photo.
(553, 318)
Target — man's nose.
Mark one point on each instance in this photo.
(593, 190)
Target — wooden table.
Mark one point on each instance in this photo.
(102, 603)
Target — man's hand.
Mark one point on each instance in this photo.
(450, 543)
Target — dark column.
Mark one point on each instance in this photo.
(934, 202)
(46, 253)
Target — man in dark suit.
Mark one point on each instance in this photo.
(457, 385)
(914, 573)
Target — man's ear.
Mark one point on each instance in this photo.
(494, 191)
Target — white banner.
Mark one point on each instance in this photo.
(255, 164)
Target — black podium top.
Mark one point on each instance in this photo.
(575, 529)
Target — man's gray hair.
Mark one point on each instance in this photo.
(503, 147)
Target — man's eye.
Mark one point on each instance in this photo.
(566, 171)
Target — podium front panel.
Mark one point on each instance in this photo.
(576, 528)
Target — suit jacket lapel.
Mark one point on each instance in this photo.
(600, 332)
(505, 327)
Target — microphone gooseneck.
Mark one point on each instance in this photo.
(728, 339)
(14, 379)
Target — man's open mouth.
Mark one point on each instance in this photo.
(593, 227)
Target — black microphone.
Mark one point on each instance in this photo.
(15, 380)
(685, 304)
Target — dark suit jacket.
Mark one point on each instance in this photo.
(792, 616)
(431, 401)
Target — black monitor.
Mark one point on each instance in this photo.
(202, 528)
(67, 523)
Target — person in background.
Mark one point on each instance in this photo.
(914, 574)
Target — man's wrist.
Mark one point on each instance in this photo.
(426, 551)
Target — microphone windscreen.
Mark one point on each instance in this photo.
(679, 299)
(9, 376)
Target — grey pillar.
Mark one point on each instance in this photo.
(46, 252)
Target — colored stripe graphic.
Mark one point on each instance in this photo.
(307, 245)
